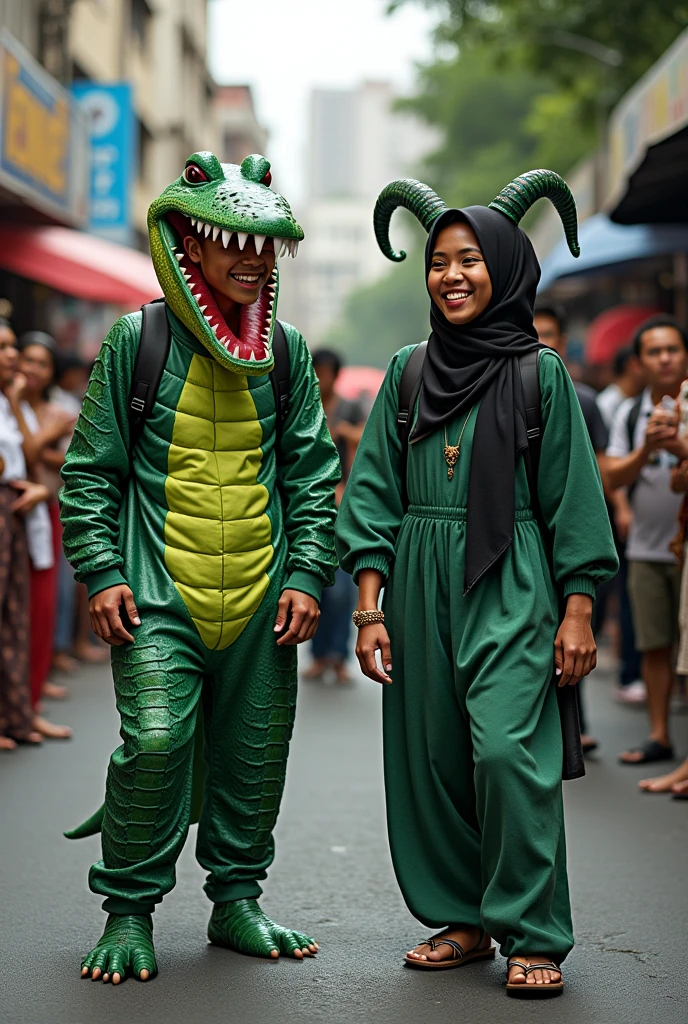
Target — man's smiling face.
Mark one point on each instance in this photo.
(230, 271)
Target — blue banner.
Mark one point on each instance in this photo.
(110, 117)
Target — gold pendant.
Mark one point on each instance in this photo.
(451, 457)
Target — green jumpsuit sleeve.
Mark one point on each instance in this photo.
(570, 488)
(372, 508)
(308, 471)
(97, 465)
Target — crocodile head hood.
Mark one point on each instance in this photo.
(222, 199)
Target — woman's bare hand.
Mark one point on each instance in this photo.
(575, 651)
(30, 495)
(372, 639)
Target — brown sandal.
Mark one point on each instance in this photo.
(525, 991)
(459, 956)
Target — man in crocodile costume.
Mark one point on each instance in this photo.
(217, 538)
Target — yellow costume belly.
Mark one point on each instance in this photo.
(217, 534)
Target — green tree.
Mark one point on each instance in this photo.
(483, 118)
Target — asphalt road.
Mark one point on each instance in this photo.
(333, 878)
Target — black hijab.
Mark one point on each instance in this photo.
(476, 360)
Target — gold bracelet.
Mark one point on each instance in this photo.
(367, 618)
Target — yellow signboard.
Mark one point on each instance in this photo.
(37, 121)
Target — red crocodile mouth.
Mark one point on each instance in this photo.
(255, 319)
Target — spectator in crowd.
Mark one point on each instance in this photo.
(346, 419)
(550, 323)
(73, 626)
(644, 447)
(676, 782)
(48, 425)
(19, 497)
(629, 381)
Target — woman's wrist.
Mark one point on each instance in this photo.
(579, 605)
(370, 583)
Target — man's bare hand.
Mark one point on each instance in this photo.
(106, 621)
(302, 612)
(575, 651)
(30, 495)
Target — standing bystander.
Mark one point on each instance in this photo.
(549, 320)
(345, 419)
(644, 447)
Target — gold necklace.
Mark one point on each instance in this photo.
(452, 451)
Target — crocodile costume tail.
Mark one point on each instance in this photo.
(90, 827)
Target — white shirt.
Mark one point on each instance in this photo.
(39, 531)
(608, 401)
(654, 505)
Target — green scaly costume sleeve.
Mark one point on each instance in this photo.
(308, 469)
(570, 489)
(97, 465)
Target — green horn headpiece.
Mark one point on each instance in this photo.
(514, 201)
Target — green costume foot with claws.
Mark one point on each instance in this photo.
(241, 925)
(126, 947)
(217, 536)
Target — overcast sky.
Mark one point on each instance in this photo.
(284, 48)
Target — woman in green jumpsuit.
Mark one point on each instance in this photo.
(472, 736)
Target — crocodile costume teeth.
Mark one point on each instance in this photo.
(224, 200)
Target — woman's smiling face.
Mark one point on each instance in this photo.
(458, 280)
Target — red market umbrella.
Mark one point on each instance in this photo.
(354, 381)
(612, 330)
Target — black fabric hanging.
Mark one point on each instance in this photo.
(473, 361)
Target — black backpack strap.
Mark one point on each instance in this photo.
(280, 377)
(409, 386)
(528, 365)
(632, 421)
(151, 357)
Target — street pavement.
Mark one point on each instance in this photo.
(333, 878)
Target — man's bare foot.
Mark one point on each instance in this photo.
(50, 730)
(315, 670)
(53, 691)
(517, 976)
(665, 783)
(466, 937)
(7, 743)
(680, 789)
(342, 673)
(94, 654)
(63, 662)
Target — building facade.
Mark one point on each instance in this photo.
(238, 130)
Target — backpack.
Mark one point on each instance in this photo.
(573, 766)
(151, 358)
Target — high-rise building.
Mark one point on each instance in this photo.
(358, 142)
(238, 129)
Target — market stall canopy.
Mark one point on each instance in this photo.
(612, 330)
(648, 144)
(604, 243)
(78, 264)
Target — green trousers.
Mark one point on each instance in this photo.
(472, 739)
(248, 697)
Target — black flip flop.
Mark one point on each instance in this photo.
(652, 751)
(679, 796)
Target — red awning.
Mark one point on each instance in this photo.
(79, 264)
(612, 330)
